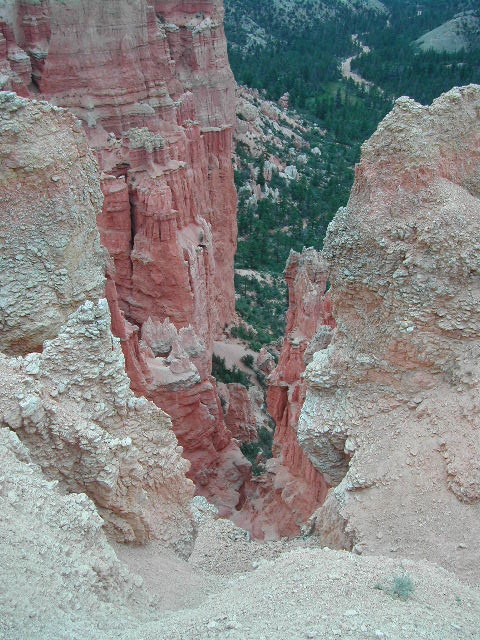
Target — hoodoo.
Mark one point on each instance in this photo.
(152, 85)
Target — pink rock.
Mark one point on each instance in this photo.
(265, 361)
(239, 416)
(153, 87)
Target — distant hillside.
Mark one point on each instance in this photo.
(250, 23)
(302, 47)
(461, 32)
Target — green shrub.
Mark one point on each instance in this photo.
(400, 586)
(262, 379)
(222, 373)
(241, 332)
(263, 445)
(248, 360)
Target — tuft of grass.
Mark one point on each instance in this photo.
(403, 586)
(400, 586)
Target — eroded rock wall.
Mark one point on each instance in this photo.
(397, 389)
(71, 401)
(50, 257)
(152, 85)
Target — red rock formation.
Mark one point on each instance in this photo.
(152, 85)
(279, 502)
(15, 64)
(238, 410)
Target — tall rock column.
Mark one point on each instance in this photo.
(281, 500)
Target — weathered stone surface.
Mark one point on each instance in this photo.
(397, 389)
(71, 403)
(283, 499)
(73, 407)
(239, 414)
(152, 85)
(55, 558)
(265, 361)
(50, 255)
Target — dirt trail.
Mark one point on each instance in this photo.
(347, 72)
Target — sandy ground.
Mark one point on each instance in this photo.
(240, 589)
(233, 351)
(347, 73)
(232, 588)
(258, 275)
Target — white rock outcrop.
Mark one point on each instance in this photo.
(69, 400)
(50, 255)
(73, 407)
(392, 414)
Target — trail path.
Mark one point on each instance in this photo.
(347, 72)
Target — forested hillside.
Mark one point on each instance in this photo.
(280, 46)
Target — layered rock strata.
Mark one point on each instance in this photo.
(282, 499)
(391, 412)
(238, 409)
(152, 85)
(72, 404)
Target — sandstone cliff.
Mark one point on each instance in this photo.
(152, 85)
(71, 404)
(391, 412)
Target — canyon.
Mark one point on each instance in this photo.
(281, 500)
(128, 507)
(87, 465)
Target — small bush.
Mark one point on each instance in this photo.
(263, 445)
(400, 587)
(222, 373)
(248, 360)
(403, 586)
(241, 332)
(262, 379)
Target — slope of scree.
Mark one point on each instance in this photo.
(237, 588)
